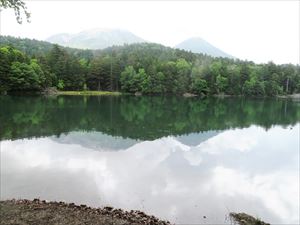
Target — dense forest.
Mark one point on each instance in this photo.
(31, 65)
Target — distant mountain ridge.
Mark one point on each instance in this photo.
(95, 38)
(199, 45)
(103, 38)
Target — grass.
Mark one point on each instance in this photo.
(88, 93)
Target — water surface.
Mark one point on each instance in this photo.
(178, 158)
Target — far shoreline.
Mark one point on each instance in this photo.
(55, 92)
(88, 93)
(295, 96)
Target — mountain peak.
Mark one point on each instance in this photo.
(96, 38)
(199, 45)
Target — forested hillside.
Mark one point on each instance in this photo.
(30, 65)
(35, 48)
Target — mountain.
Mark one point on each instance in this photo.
(95, 38)
(199, 45)
(95, 140)
(194, 139)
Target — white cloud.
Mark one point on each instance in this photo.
(238, 140)
(271, 189)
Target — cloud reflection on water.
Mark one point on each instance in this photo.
(250, 170)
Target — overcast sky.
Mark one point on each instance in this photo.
(255, 30)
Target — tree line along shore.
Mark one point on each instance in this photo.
(144, 68)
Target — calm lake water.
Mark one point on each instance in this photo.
(178, 158)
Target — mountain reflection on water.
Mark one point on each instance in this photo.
(177, 158)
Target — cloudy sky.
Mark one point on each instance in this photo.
(255, 30)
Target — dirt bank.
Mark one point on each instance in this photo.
(39, 212)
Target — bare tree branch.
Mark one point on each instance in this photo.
(18, 6)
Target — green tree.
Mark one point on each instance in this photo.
(5, 63)
(215, 71)
(234, 80)
(199, 86)
(60, 85)
(159, 83)
(127, 77)
(183, 78)
(198, 83)
(253, 87)
(95, 75)
(221, 84)
(169, 82)
(66, 67)
(23, 77)
(18, 72)
(42, 80)
(272, 87)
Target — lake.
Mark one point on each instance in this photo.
(187, 160)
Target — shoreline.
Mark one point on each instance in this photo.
(41, 212)
(45, 213)
(54, 92)
(292, 96)
(88, 93)
(186, 95)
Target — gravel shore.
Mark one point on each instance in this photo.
(38, 212)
